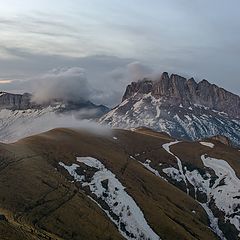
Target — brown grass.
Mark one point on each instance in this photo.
(39, 194)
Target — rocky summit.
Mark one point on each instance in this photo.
(15, 101)
(181, 107)
(176, 90)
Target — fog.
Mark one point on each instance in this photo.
(29, 124)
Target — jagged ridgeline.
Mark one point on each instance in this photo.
(183, 108)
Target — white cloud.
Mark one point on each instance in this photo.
(31, 123)
(69, 84)
(137, 71)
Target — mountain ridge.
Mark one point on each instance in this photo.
(179, 90)
(182, 108)
(19, 117)
(13, 101)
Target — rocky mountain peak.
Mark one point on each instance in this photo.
(15, 101)
(164, 76)
(142, 87)
(176, 90)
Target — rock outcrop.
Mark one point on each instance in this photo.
(182, 108)
(15, 101)
(177, 90)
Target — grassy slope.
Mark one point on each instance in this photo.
(46, 202)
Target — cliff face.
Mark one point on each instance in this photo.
(15, 101)
(176, 90)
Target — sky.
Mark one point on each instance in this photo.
(97, 47)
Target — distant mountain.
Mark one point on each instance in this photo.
(182, 108)
(20, 117)
(123, 184)
(23, 102)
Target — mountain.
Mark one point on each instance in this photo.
(15, 101)
(183, 108)
(20, 117)
(120, 184)
(24, 102)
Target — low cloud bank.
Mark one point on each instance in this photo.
(137, 71)
(68, 84)
(24, 124)
(79, 84)
(72, 84)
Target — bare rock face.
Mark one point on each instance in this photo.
(177, 90)
(145, 86)
(15, 101)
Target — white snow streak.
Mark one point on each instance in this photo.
(130, 220)
(180, 168)
(158, 112)
(213, 221)
(146, 164)
(207, 144)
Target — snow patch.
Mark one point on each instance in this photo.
(173, 173)
(208, 144)
(130, 220)
(213, 221)
(226, 189)
(2, 94)
(180, 168)
(188, 118)
(146, 164)
(158, 112)
(203, 185)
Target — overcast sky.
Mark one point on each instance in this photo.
(111, 42)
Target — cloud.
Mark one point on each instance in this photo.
(176, 36)
(132, 71)
(4, 81)
(26, 126)
(117, 74)
(68, 84)
(28, 67)
(71, 84)
(137, 71)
